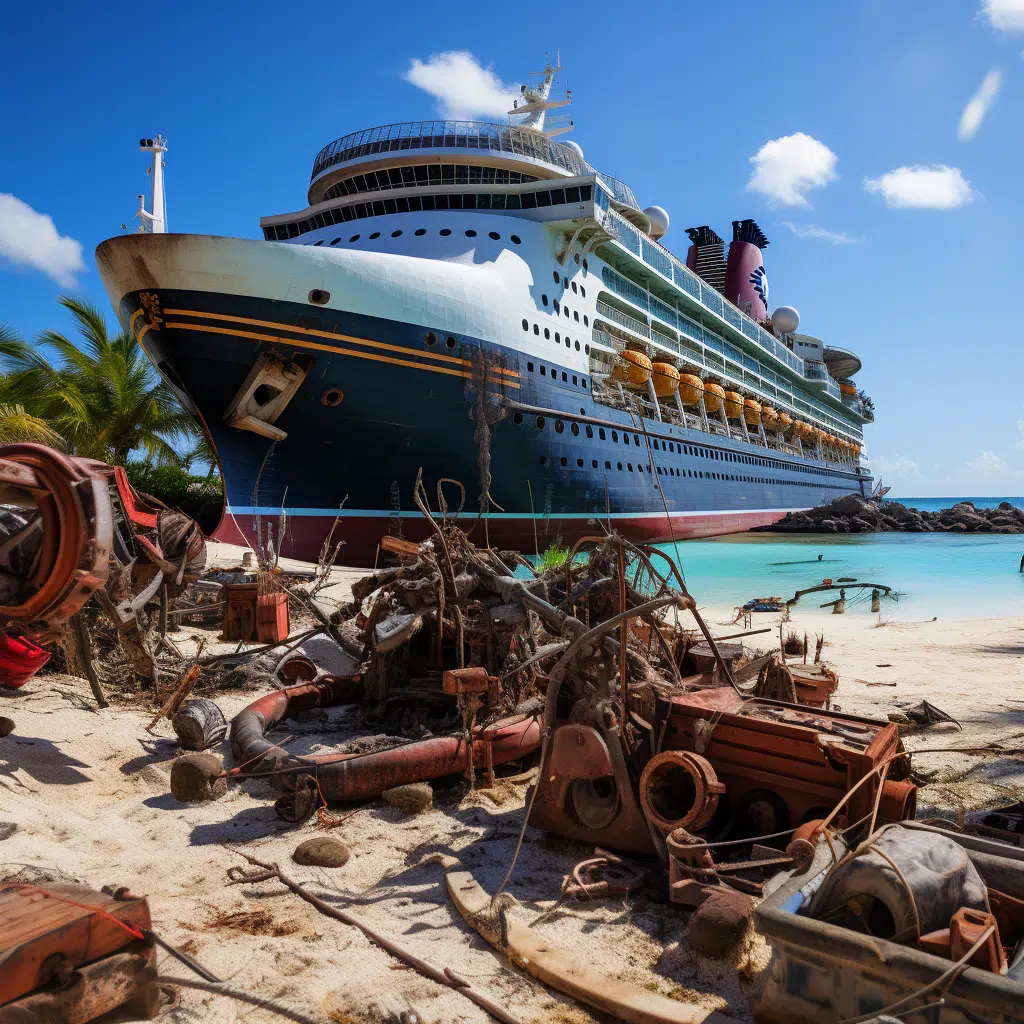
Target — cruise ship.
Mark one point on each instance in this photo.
(476, 302)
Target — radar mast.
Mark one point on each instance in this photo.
(531, 109)
(155, 222)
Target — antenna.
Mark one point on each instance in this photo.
(534, 102)
(155, 222)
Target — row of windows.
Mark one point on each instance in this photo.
(547, 331)
(426, 174)
(677, 448)
(419, 232)
(414, 204)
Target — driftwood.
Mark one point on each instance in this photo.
(177, 697)
(447, 977)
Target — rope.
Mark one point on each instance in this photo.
(97, 911)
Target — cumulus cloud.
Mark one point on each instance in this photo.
(898, 468)
(461, 85)
(987, 465)
(1005, 15)
(978, 105)
(937, 187)
(30, 239)
(788, 167)
(823, 234)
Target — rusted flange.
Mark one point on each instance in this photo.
(679, 790)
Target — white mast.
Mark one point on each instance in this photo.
(155, 222)
(532, 108)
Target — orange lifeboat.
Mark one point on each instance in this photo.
(633, 368)
(848, 389)
(714, 396)
(666, 379)
(752, 412)
(800, 429)
(691, 389)
(769, 417)
(785, 421)
(733, 405)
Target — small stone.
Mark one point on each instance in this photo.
(196, 778)
(719, 923)
(6, 727)
(322, 852)
(413, 799)
(7, 829)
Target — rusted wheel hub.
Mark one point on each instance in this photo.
(679, 790)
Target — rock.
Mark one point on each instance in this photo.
(1005, 506)
(6, 727)
(720, 922)
(7, 829)
(196, 778)
(199, 724)
(413, 799)
(322, 852)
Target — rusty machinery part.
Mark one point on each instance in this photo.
(690, 850)
(898, 803)
(69, 501)
(365, 776)
(679, 790)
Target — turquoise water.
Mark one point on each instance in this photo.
(952, 576)
(935, 504)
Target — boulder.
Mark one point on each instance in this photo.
(413, 799)
(196, 778)
(322, 852)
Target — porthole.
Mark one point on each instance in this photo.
(559, 427)
(590, 430)
(593, 464)
(565, 377)
(629, 466)
(449, 342)
(586, 349)
(579, 462)
(619, 465)
(576, 315)
(529, 367)
(543, 370)
(583, 381)
(615, 436)
(540, 419)
(625, 438)
(430, 339)
(517, 417)
(574, 429)
(319, 297)
(583, 291)
(607, 464)
(354, 238)
(554, 274)
(494, 235)
(558, 308)
(600, 433)
(321, 242)
(544, 300)
(547, 334)
(566, 308)
(565, 282)
(516, 239)
(445, 231)
(526, 325)
(577, 346)
(585, 268)
(574, 288)
(558, 338)
(576, 257)
(564, 461)
(575, 382)
(470, 233)
(536, 329)
(586, 320)
(332, 397)
(376, 234)
(395, 234)
(335, 241)
(419, 232)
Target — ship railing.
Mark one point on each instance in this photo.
(622, 319)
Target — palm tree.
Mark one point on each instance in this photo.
(101, 396)
(203, 453)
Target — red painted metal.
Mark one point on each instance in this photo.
(272, 622)
(20, 660)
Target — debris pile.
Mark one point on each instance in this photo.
(854, 514)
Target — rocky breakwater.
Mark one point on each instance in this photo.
(853, 514)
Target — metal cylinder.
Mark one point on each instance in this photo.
(679, 790)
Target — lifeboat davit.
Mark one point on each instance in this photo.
(633, 368)
(733, 405)
(666, 379)
(714, 396)
(752, 412)
(691, 389)
(769, 417)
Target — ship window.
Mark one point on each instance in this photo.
(600, 433)
(420, 232)
(540, 419)
(544, 300)
(577, 346)
(615, 436)
(526, 325)
(395, 234)
(529, 366)
(619, 464)
(517, 417)
(335, 241)
(470, 233)
(494, 235)
(574, 429)
(629, 466)
(593, 463)
(445, 231)
(565, 282)
(564, 461)
(574, 288)
(607, 464)
(579, 462)
(586, 348)
(625, 438)
(565, 377)
(636, 439)
(430, 339)
(559, 427)
(543, 370)
(574, 381)
(583, 291)
(376, 234)
(516, 239)
(558, 338)
(319, 297)
(590, 430)
(536, 329)
(585, 268)
(586, 320)
(558, 308)
(449, 342)
(547, 333)
(583, 381)
(566, 308)
(654, 444)
(321, 242)
(554, 274)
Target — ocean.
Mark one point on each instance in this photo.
(953, 576)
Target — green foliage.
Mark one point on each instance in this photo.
(99, 395)
(556, 555)
(196, 496)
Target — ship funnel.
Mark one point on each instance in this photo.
(706, 255)
(746, 283)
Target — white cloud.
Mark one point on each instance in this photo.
(898, 468)
(786, 168)
(462, 87)
(813, 231)
(978, 105)
(987, 465)
(1005, 15)
(937, 187)
(30, 239)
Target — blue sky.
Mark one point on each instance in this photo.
(877, 142)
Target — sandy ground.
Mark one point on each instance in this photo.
(89, 793)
